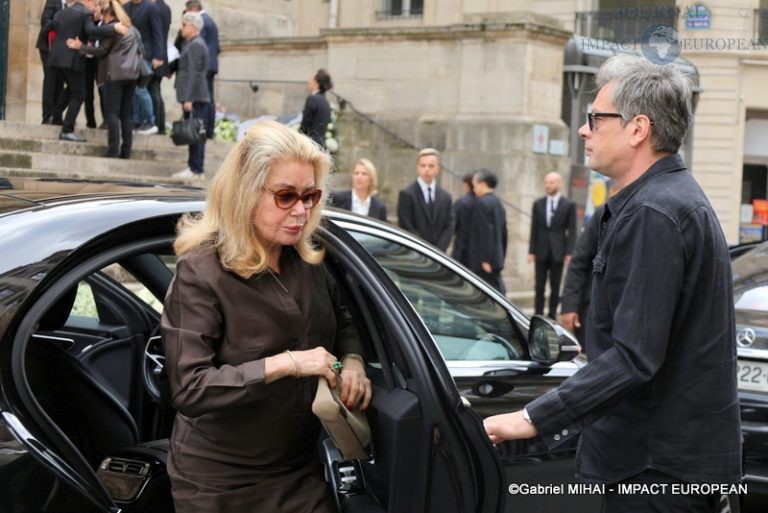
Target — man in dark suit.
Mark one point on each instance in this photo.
(73, 22)
(210, 34)
(462, 216)
(578, 279)
(52, 86)
(553, 235)
(423, 208)
(487, 231)
(158, 105)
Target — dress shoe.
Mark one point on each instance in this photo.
(70, 136)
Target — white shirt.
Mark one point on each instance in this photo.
(359, 206)
(425, 188)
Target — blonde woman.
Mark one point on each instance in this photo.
(251, 320)
(361, 199)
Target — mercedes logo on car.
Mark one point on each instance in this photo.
(745, 337)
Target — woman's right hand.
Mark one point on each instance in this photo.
(298, 364)
(316, 362)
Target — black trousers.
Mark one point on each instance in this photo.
(555, 271)
(76, 85)
(196, 159)
(118, 97)
(158, 105)
(52, 87)
(673, 501)
(91, 66)
(210, 110)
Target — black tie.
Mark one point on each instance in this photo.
(430, 203)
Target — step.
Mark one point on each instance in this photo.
(86, 165)
(157, 143)
(117, 177)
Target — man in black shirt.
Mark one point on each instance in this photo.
(657, 402)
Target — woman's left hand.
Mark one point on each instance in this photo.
(355, 387)
(187, 106)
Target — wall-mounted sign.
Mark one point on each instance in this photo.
(697, 17)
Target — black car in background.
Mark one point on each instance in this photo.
(83, 271)
(750, 288)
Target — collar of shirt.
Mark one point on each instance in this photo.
(424, 186)
(555, 199)
(359, 206)
(663, 165)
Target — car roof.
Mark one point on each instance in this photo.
(752, 264)
(18, 193)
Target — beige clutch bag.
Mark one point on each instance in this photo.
(349, 430)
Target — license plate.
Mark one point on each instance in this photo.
(752, 376)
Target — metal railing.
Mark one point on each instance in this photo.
(624, 24)
(346, 104)
(761, 26)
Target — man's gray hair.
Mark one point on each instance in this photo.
(193, 18)
(662, 93)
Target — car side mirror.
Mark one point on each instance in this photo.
(549, 342)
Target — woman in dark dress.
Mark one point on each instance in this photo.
(251, 320)
(317, 112)
(361, 199)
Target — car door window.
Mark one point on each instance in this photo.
(466, 323)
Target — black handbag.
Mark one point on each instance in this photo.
(188, 130)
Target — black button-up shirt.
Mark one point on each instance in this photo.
(659, 391)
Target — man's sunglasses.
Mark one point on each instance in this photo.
(592, 116)
(287, 198)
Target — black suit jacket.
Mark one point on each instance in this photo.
(73, 22)
(315, 118)
(210, 34)
(50, 9)
(462, 216)
(165, 26)
(578, 280)
(487, 233)
(413, 215)
(147, 19)
(559, 237)
(343, 199)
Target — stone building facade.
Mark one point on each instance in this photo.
(476, 79)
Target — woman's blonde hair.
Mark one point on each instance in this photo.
(120, 13)
(371, 170)
(226, 225)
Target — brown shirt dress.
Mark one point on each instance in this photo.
(239, 444)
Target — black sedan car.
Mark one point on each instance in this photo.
(85, 267)
(750, 288)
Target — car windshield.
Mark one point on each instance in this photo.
(750, 281)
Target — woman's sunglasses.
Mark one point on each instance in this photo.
(287, 198)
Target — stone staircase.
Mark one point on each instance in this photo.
(35, 150)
